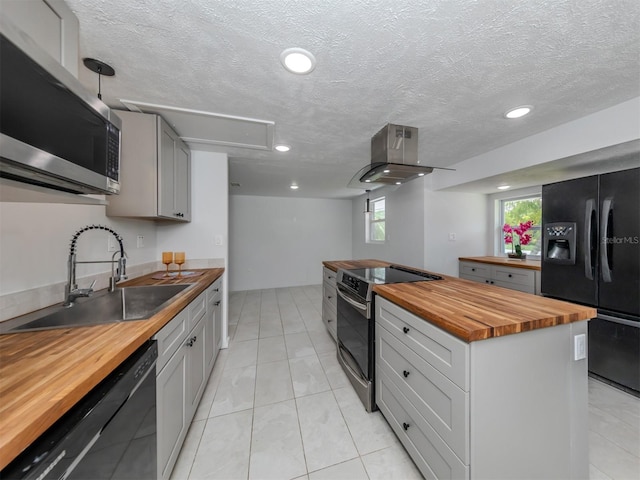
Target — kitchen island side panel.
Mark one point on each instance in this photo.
(529, 406)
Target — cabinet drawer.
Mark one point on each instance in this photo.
(515, 286)
(475, 269)
(197, 309)
(444, 352)
(329, 318)
(519, 276)
(214, 290)
(431, 455)
(329, 276)
(171, 337)
(329, 294)
(439, 401)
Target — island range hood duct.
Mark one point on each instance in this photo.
(394, 158)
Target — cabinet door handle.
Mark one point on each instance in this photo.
(406, 426)
(191, 341)
(216, 303)
(329, 297)
(405, 329)
(473, 269)
(510, 275)
(329, 320)
(405, 373)
(486, 281)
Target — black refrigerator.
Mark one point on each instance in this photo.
(591, 256)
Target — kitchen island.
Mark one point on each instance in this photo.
(479, 381)
(45, 373)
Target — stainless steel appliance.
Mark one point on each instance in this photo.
(54, 133)
(591, 255)
(110, 433)
(356, 322)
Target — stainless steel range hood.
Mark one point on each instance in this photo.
(394, 158)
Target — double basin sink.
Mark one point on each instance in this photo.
(121, 305)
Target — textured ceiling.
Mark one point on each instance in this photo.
(449, 67)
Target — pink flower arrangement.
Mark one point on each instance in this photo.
(519, 230)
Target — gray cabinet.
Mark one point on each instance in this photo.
(214, 315)
(171, 393)
(187, 349)
(329, 301)
(51, 24)
(505, 407)
(155, 170)
(521, 279)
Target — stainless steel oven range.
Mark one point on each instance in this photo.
(356, 322)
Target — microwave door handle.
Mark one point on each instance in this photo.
(590, 208)
(607, 211)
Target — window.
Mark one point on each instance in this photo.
(375, 221)
(514, 211)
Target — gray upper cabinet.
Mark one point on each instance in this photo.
(155, 171)
(51, 24)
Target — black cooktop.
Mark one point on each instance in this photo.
(392, 274)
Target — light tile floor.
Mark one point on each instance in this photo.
(278, 406)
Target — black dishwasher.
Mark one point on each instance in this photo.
(109, 434)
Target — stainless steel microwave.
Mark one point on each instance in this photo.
(54, 133)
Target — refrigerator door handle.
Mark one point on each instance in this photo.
(604, 253)
(590, 208)
(622, 321)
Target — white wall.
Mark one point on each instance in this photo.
(404, 227)
(281, 242)
(462, 214)
(35, 239)
(611, 126)
(209, 211)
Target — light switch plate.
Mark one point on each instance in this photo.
(579, 346)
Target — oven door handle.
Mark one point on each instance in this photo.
(350, 301)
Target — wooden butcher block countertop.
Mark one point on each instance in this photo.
(44, 373)
(352, 264)
(476, 311)
(505, 262)
(473, 311)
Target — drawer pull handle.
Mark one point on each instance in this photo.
(510, 275)
(406, 373)
(406, 426)
(405, 329)
(191, 341)
(216, 303)
(329, 276)
(473, 269)
(329, 297)
(329, 320)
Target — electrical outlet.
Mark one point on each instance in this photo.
(140, 241)
(452, 237)
(112, 245)
(579, 346)
(218, 240)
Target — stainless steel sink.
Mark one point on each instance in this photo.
(123, 304)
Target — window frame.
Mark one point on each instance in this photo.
(500, 244)
(370, 221)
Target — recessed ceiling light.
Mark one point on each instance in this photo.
(386, 171)
(367, 180)
(283, 148)
(504, 187)
(421, 174)
(518, 112)
(294, 187)
(298, 60)
(398, 183)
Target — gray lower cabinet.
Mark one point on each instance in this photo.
(521, 279)
(187, 349)
(329, 301)
(505, 407)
